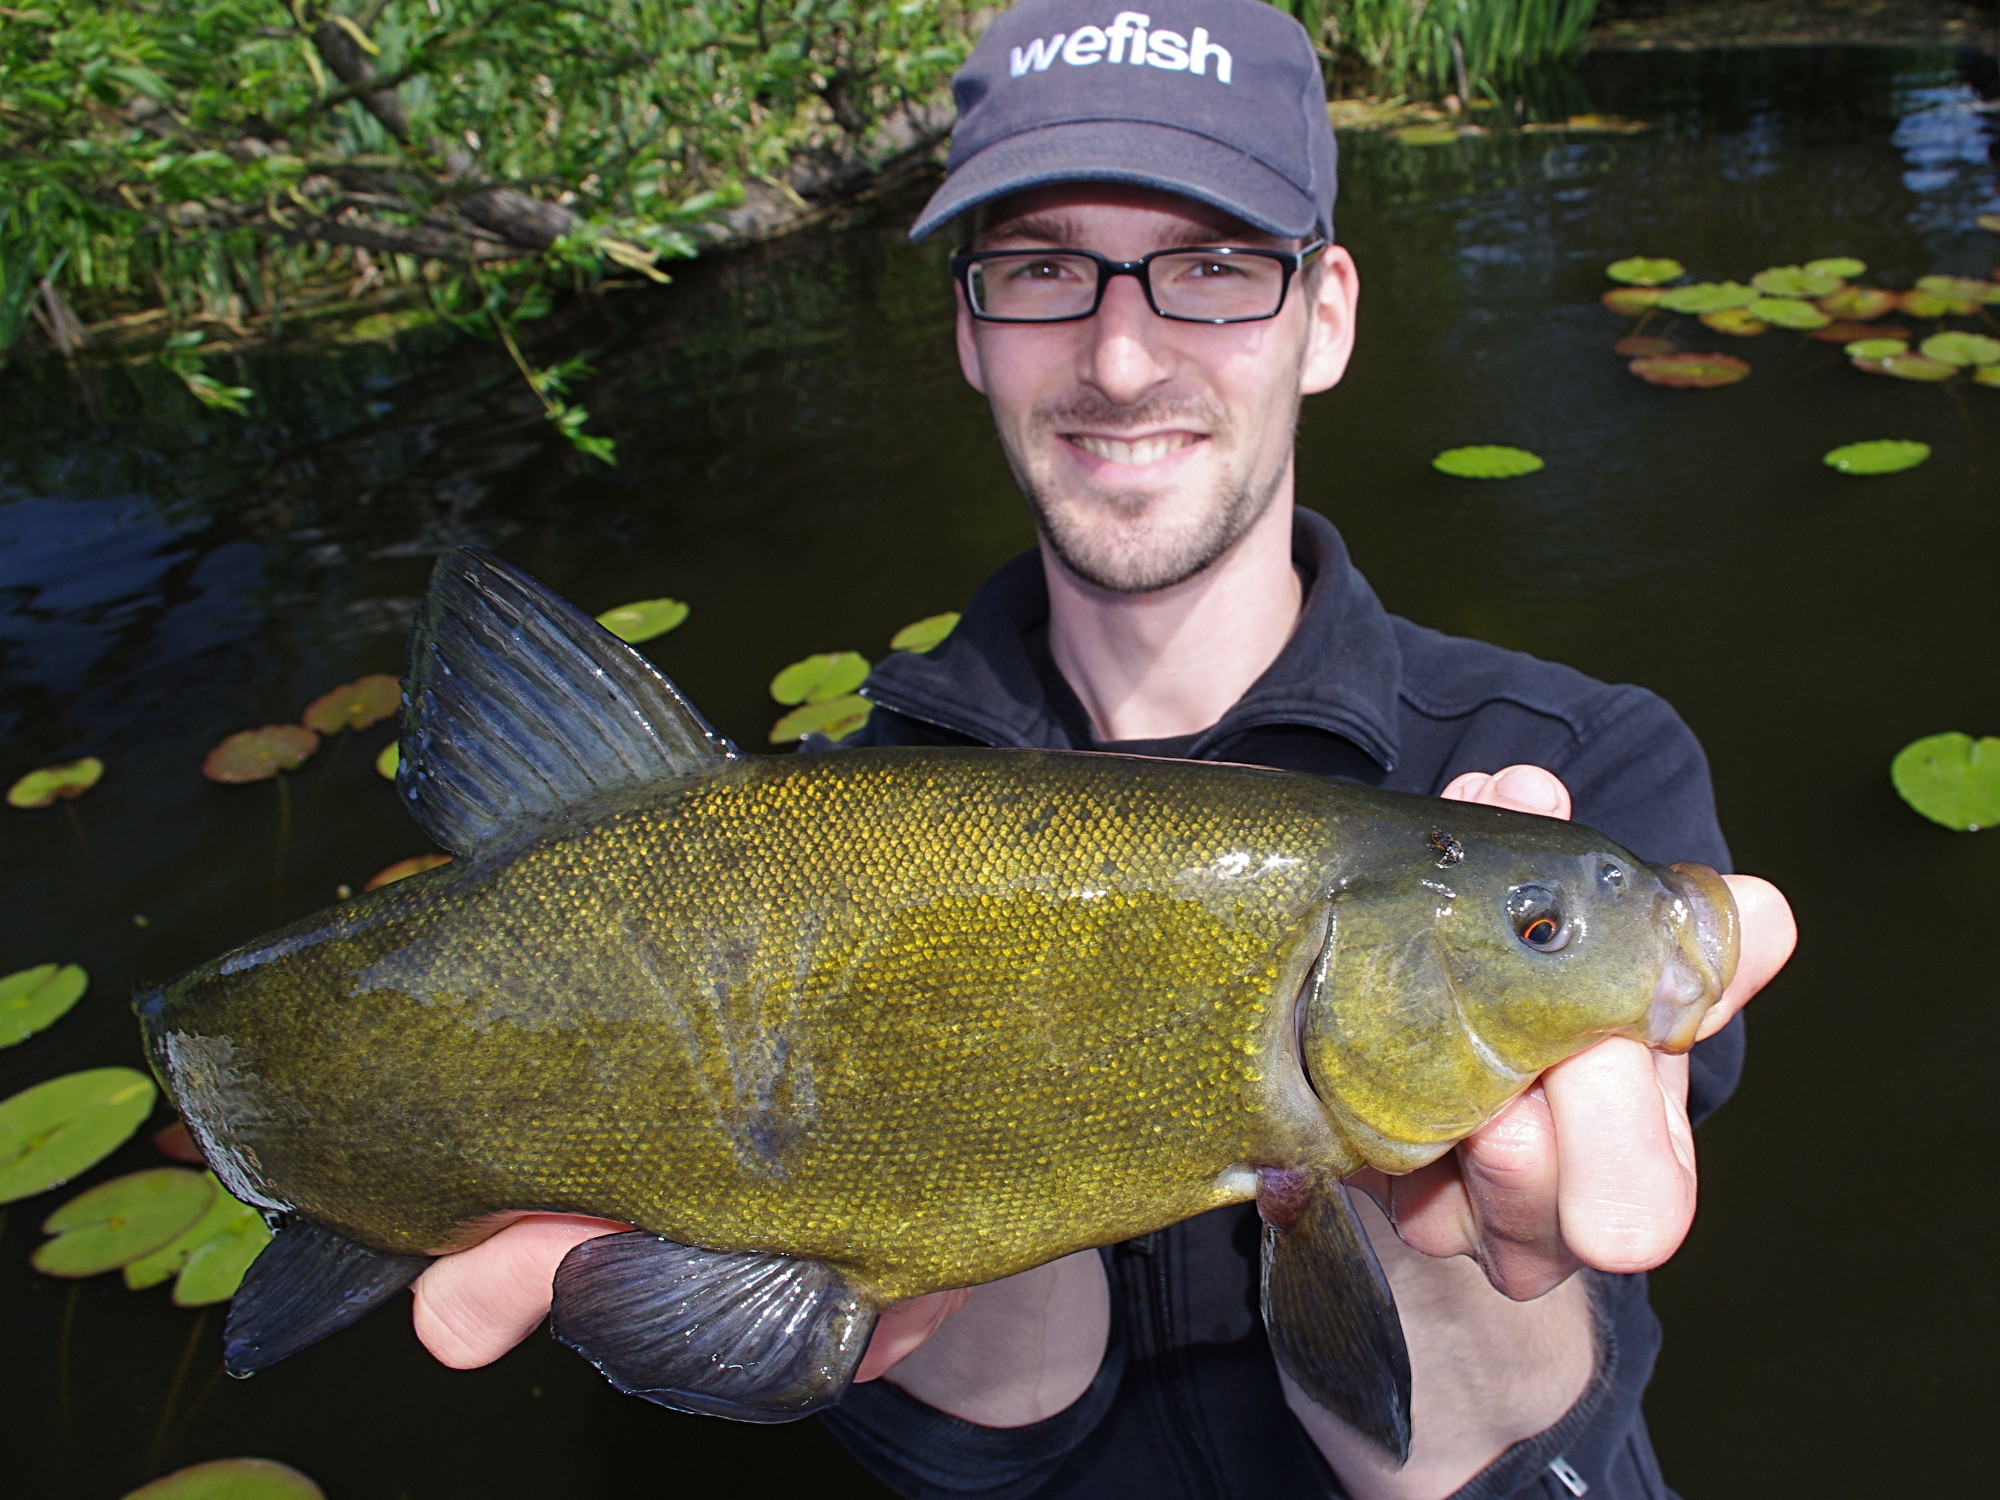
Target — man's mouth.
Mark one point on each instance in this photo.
(1133, 452)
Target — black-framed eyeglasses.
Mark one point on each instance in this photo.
(1200, 284)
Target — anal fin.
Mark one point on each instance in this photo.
(1328, 1308)
(306, 1283)
(753, 1337)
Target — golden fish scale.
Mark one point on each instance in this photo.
(933, 1016)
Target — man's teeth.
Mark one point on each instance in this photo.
(1142, 451)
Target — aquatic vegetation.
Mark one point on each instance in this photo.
(643, 619)
(1788, 312)
(1635, 345)
(1922, 303)
(1486, 461)
(1855, 332)
(32, 1000)
(1961, 349)
(205, 1261)
(1990, 221)
(1640, 270)
(1881, 456)
(1951, 779)
(1859, 304)
(386, 762)
(926, 634)
(1426, 135)
(259, 754)
(833, 718)
(59, 783)
(403, 869)
(1795, 282)
(1737, 322)
(1988, 375)
(1691, 371)
(1961, 289)
(53, 1131)
(1632, 301)
(1471, 47)
(1839, 267)
(1876, 347)
(119, 1221)
(1905, 367)
(830, 674)
(231, 1479)
(1707, 296)
(353, 705)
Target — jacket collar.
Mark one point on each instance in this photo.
(993, 680)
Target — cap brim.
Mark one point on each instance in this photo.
(1132, 151)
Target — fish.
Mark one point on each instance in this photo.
(835, 1030)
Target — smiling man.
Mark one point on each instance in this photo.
(1149, 285)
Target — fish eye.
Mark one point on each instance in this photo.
(1611, 878)
(1537, 917)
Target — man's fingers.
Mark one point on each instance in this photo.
(1625, 1160)
(474, 1306)
(1527, 789)
(1511, 1173)
(904, 1328)
(1767, 935)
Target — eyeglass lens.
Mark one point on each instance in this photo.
(1036, 286)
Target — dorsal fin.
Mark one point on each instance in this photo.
(516, 704)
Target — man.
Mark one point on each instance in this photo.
(1146, 398)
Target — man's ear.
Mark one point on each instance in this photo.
(1330, 337)
(968, 343)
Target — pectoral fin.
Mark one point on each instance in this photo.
(1328, 1308)
(306, 1283)
(757, 1338)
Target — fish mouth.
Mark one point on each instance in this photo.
(1702, 916)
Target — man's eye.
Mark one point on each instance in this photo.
(1038, 270)
(1212, 270)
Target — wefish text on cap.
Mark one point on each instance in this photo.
(1125, 40)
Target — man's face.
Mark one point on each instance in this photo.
(1147, 447)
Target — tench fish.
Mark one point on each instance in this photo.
(836, 1030)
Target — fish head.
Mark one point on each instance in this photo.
(1468, 956)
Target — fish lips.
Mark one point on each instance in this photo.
(1701, 916)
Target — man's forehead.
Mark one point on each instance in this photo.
(1067, 213)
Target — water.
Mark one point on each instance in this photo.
(801, 463)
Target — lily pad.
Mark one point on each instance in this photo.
(1840, 267)
(1961, 288)
(1789, 312)
(1883, 456)
(1642, 270)
(1426, 135)
(831, 674)
(926, 634)
(1923, 304)
(53, 1131)
(32, 999)
(643, 619)
(388, 760)
(403, 869)
(354, 705)
(59, 783)
(1639, 345)
(1795, 281)
(120, 1220)
(215, 1268)
(1708, 296)
(1863, 304)
(1987, 375)
(231, 1479)
(1737, 322)
(1632, 301)
(1876, 348)
(1990, 221)
(1486, 461)
(1951, 779)
(836, 718)
(1850, 333)
(1961, 349)
(1907, 367)
(1691, 371)
(259, 754)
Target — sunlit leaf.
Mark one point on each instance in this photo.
(1708, 296)
(926, 634)
(831, 674)
(1641, 270)
(1951, 779)
(1987, 375)
(1691, 371)
(1486, 461)
(1631, 301)
(31, 999)
(259, 754)
(1638, 345)
(354, 705)
(1972, 289)
(388, 760)
(1861, 304)
(643, 619)
(1789, 312)
(1737, 322)
(1924, 304)
(1990, 221)
(1961, 349)
(1883, 456)
(164, 1263)
(1840, 267)
(1426, 135)
(1906, 367)
(231, 1479)
(836, 718)
(1856, 332)
(1876, 348)
(215, 1267)
(120, 1220)
(64, 783)
(1795, 281)
(53, 1131)
(403, 869)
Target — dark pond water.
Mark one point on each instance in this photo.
(801, 463)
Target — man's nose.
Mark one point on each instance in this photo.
(1126, 355)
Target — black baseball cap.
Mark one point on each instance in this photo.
(1218, 100)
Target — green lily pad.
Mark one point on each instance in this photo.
(836, 718)
(403, 869)
(1642, 270)
(386, 763)
(231, 1479)
(1882, 456)
(1632, 301)
(1788, 312)
(926, 634)
(1961, 349)
(32, 999)
(60, 783)
(1854, 332)
(643, 619)
(1426, 135)
(53, 1131)
(1795, 281)
(831, 674)
(1961, 288)
(1640, 345)
(1925, 304)
(1987, 375)
(1907, 367)
(1862, 304)
(215, 1268)
(354, 705)
(1840, 267)
(1691, 371)
(1737, 322)
(165, 1263)
(1486, 461)
(1708, 296)
(259, 754)
(1990, 221)
(120, 1220)
(1951, 779)
(1876, 348)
